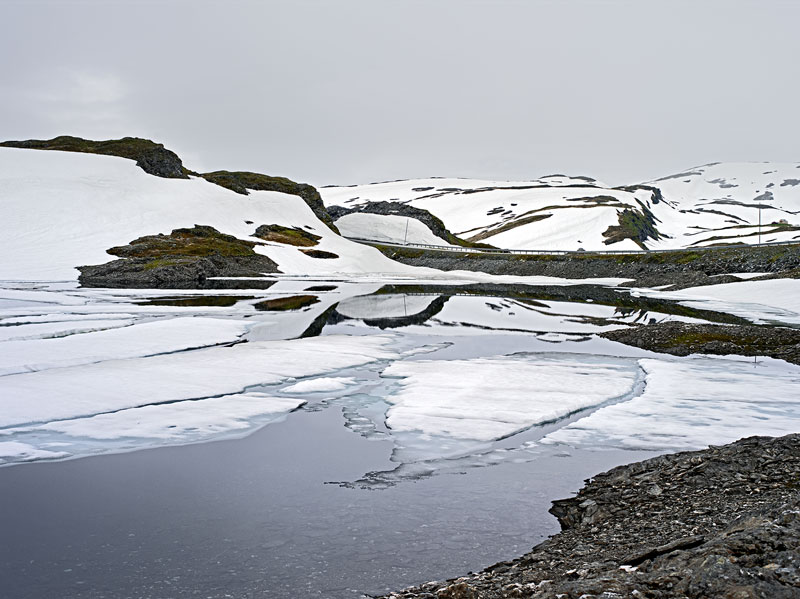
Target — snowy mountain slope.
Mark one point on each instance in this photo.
(61, 210)
(554, 212)
(719, 203)
(702, 206)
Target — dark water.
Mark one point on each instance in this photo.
(253, 517)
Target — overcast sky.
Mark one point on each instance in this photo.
(358, 91)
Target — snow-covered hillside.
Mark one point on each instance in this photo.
(61, 210)
(719, 203)
(706, 205)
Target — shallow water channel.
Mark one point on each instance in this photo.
(337, 498)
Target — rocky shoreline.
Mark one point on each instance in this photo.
(721, 522)
(682, 339)
(679, 269)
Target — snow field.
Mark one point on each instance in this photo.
(87, 203)
(703, 203)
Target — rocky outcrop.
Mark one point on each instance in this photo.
(151, 157)
(682, 339)
(184, 259)
(638, 225)
(719, 523)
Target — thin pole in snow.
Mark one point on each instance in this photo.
(405, 237)
(759, 224)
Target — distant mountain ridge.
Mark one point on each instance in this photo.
(713, 204)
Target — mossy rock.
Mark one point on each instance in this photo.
(291, 236)
(185, 258)
(151, 157)
(637, 225)
(320, 254)
(200, 240)
(282, 304)
(682, 339)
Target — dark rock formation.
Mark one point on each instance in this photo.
(719, 523)
(682, 339)
(184, 259)
(636, 225)
(151, 157)
(321, 254)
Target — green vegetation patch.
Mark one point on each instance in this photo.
(282, 304)
(638, 225)
(291, 236)
(198, 241)
(679, 338)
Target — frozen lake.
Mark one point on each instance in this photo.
(375, 437)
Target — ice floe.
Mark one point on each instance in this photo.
(149, 338)
(489, 398)
(694, 402)
(112, 385)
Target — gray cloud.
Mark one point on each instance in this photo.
(354, 91)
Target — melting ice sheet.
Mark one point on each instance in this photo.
(450, 382)
(490, 398)
(146, 339)
(176, 398)
(694, 402)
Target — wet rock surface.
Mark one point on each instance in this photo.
(682, 339)
(722, 522)
(184, 259)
